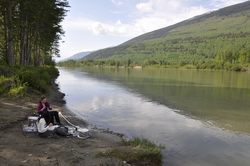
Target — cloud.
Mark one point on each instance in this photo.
(145, 7)
(116, 29)
(117, 3)
(165, 13)
(149, 16)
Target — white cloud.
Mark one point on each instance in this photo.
(145, 7)
(117, 29)
(152, 15)
(117, 3)
(166, 13)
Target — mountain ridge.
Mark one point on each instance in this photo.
(176, 42)
(77, 56)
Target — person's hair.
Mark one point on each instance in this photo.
(42, 97)
(46, 117)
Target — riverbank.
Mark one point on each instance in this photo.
(103, 148)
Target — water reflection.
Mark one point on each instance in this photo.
(201, 116)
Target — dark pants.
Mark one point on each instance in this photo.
(55, 131)
(52, 115)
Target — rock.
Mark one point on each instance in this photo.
(30, 155)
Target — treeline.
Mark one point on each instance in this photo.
(231, 60)
(30, 31)
(91, 63)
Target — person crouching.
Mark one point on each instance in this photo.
(43, 106)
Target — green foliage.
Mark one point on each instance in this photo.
(137, 149)
(35, 77)
(5, 83)
(18, 89)
(36, 31)
(128, 62)
(38, 77)
(117, 64)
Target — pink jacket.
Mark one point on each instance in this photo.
(40, 106)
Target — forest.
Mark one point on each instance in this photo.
(30, 31)
(230, 60)
(30, 35)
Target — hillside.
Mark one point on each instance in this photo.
(201, 37)
(77, 56)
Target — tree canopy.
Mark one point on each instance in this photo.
(30, 31)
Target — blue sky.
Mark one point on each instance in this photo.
(96, 24)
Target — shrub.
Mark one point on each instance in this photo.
(46, 77)
(18, 90)
(237, 67)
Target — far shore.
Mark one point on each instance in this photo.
(247, 69)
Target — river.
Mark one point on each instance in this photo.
(202, 117)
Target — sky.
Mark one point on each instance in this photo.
(96, 24)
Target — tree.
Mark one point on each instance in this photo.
(193, 62)
(128, 62)
(31, 30)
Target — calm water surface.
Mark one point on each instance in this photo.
(202, 117)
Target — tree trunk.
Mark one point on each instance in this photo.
(26, 48)
(5, 41)
(39, 54)
(35, 55)
(32, 44)
(22, 36)
(10, 38)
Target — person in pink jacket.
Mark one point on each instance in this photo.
(43, 106)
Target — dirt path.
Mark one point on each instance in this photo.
(18, 150)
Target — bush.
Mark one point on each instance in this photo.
(37, 77)
(237, 67)
(46, 77)
(43, 87)
(18, 90)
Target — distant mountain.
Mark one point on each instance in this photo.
(77, 56)
(201, 37)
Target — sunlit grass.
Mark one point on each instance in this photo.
(135, 151)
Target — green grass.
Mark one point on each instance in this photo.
(141, 143)
(136, 151)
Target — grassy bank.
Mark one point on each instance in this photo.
(136, 151)
(18, 81)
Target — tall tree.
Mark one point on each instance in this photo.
(32, 29)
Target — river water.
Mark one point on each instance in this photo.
(202, 117)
